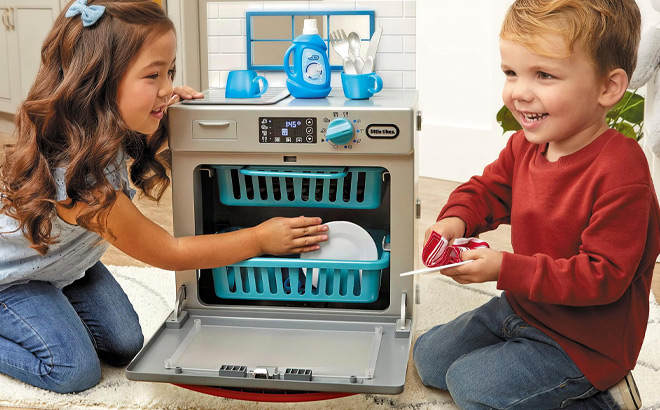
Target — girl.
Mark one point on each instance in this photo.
(102, 90)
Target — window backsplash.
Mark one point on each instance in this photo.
(395, 61)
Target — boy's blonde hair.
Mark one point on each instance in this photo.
(608, 30)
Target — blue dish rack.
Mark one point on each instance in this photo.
(316, 187)
(290, 279)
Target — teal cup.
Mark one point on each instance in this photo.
(245, 84)
(361, 86)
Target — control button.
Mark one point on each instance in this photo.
(309, 130)
(340, 131)
(310, 138)
(309, 121)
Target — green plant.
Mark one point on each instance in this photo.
(627, 116)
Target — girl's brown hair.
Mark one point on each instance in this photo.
(71, 119)
(609, 30)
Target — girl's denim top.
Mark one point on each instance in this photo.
(76, 250)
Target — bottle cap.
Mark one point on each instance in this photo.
(309, 27)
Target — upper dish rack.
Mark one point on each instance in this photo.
(318, 187)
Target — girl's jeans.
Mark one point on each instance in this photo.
(489, 358)
(53, 338)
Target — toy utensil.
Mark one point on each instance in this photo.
(371, 51)
(435, 269)
(341, 47)
(354, 43)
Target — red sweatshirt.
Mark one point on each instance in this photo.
(585, 234)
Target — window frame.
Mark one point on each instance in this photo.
(326, 36)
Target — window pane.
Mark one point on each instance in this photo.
(271, 27)
(359, 24)
(269, 52)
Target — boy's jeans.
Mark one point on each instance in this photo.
(489, 358)
(53, 338)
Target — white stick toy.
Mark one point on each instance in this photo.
(435, 269)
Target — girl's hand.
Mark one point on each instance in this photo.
(485, 268)
(450, 228)
(185, 93)
(284, 236)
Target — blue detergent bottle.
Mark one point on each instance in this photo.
(310, 75)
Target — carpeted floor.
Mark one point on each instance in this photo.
(152, 293)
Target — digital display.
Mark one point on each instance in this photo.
(284, 130)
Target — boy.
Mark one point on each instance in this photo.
(584, 219)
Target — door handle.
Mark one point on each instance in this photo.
(5, 17)
(214, 123)
(13, 19)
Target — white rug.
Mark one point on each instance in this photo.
(152, 293)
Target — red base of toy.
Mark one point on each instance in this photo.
(274, 396)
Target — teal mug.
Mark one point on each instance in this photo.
(361, 86)
(245, 84)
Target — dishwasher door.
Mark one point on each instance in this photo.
(349, 355)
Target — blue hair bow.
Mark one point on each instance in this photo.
(88, 14)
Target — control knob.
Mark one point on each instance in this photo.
(340, 131)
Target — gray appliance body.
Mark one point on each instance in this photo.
(338, 344)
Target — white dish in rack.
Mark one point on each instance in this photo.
(347, 242)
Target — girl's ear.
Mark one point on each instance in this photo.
(616, 83)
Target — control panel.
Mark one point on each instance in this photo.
(332, 125)
(339, 131)
(342, 130)
(287, 130)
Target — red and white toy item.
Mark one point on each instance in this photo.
(438, 252)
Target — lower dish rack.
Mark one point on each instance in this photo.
(294, 279)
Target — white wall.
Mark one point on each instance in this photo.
(459, 81)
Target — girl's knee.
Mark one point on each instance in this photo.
(81, 375)
(124, 350)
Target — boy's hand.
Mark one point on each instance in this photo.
(450, 228)
(485, 268)
(284, 236)
(185, 93)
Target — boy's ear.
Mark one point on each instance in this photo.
(616, 83)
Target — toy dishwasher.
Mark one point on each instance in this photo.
(293, 324)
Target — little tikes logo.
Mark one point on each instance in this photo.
(382, 131)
